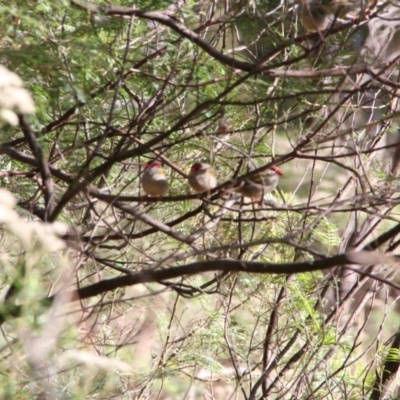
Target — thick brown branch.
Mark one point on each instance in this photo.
(359, 258)
(224, 265)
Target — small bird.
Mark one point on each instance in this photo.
(313, 16)
(257, 186)
(223, 127)
(202, 177)
(154, 180)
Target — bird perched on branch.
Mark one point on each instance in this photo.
(154, 179)
(313, 15)
(202, 177)
(223, 127)
(258, 185)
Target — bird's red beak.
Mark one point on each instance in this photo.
(277, 170)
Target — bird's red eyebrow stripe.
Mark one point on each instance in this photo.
(153, 164)
(196, 167)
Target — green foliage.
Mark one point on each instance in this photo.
(327, 234)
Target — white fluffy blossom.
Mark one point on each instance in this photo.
(35, 235)
(14, 99)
